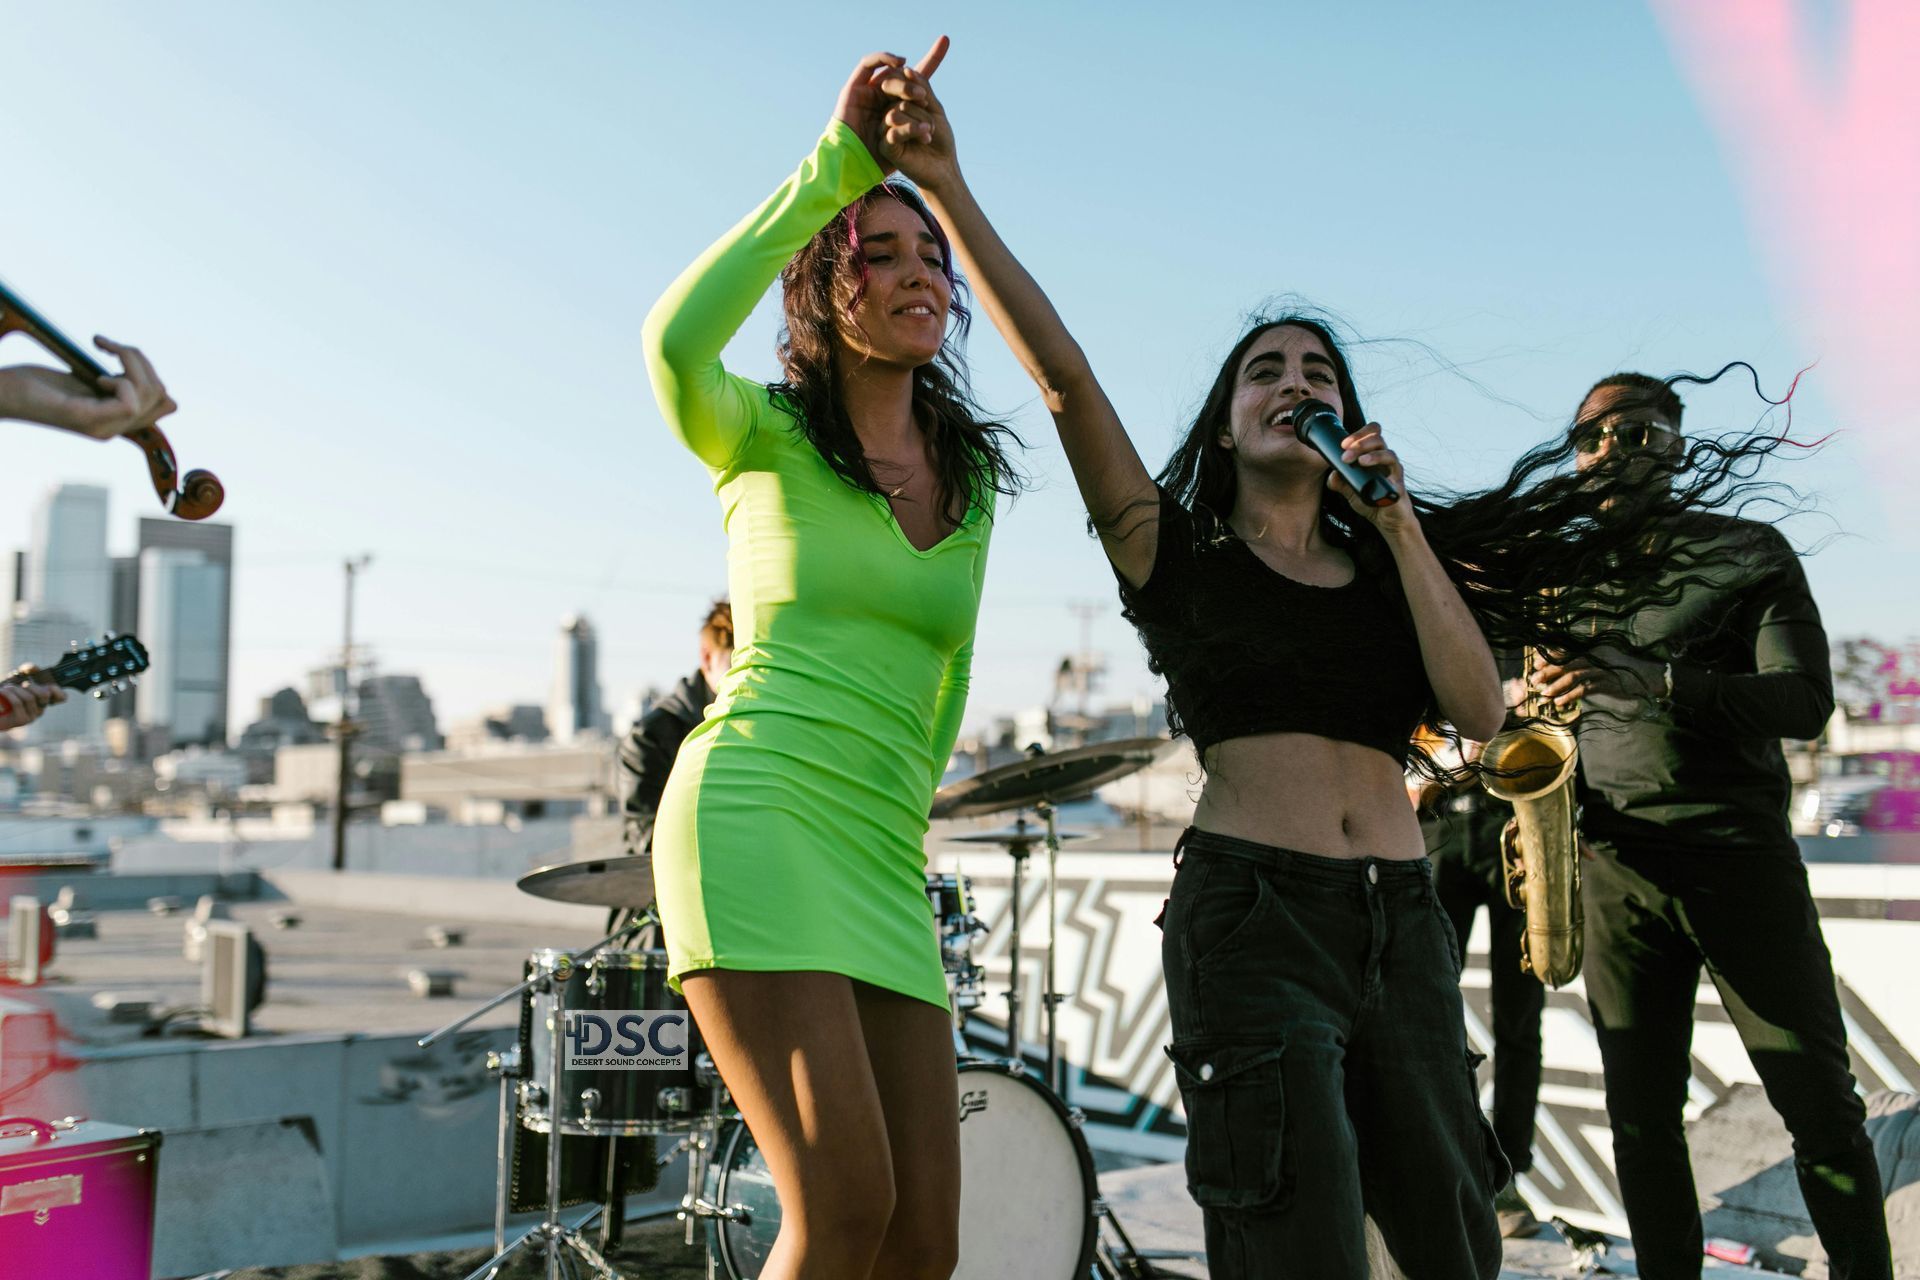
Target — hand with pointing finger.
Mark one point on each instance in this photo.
(918, 140)
(863, 106)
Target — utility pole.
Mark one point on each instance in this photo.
(1086, 664)
(345, 727)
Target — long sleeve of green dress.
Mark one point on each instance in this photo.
(713, 412)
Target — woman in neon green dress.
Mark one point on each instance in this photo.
(857, 495)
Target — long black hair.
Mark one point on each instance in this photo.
(1553, 557)
(822, 285)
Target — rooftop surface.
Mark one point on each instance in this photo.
(339, 970)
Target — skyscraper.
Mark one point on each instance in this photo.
(204, 663)
(68, 570)
(69, 597)
(183, 602)
(575, 710)
(124, 617)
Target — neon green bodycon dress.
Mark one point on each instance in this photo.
(790, 835)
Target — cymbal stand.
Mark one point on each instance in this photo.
(1017, 849)
(1056, 1067)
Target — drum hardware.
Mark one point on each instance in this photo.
(1056, 1065)
(951, 897)
(1019, 847)
(1120, 1260)
(550, 1232)
(504, 1063)
(1040, 782)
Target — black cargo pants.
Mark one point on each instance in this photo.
(1320, 1047)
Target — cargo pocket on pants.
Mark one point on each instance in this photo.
(1496, 1168)
(1236, 1121)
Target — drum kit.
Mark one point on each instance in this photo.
(1030, 1206)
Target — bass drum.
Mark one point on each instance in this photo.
(1026, 1187)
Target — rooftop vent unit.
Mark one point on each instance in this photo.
(233, 978)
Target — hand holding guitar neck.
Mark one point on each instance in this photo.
(103, 667)
(195, 496)
(24, 695)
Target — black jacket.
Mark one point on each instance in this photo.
(646, 757)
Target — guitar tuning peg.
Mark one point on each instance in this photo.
(98, 693)
(133, 679)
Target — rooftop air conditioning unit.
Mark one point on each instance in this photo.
(27, 935)
(233, 978)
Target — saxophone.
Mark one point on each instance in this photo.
(1532, 769)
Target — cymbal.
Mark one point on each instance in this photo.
(1052, 778)
(626, 881)
(1020, 832)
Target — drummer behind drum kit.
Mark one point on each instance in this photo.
(1029, 1208)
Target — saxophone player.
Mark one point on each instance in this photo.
(1685, 791)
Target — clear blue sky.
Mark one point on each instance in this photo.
(392, 260)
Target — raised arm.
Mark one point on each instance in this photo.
(1114, 483)
(711, 411)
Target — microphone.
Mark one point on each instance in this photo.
(1315, 423)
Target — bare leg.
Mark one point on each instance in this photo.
(910, 1047)
(792, 1050)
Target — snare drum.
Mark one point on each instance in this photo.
(612, 1101)
(1027, 1189)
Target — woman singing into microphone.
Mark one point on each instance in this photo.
(858, 495)
(1318, 1036)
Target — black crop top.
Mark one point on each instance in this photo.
(1247, 650)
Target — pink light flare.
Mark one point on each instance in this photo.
(1827, 159)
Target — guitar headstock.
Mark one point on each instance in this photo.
(100, 667)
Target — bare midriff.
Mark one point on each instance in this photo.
(1310, 794)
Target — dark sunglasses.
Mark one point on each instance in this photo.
(1631, 435)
